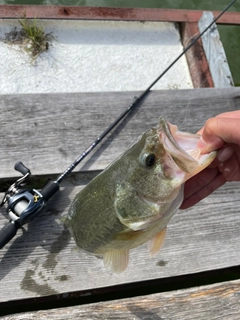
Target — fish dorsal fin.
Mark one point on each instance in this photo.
(156, 243)
(116, 260)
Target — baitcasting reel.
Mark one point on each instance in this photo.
(23, 204)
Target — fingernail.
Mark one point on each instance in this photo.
(202, 144)
(224, 154)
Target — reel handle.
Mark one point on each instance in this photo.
(20, 167)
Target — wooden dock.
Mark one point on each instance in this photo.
(195, 275)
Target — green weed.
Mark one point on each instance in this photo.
(36, 40)
(31, 37)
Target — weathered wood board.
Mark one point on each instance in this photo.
(219, 301)
(47, 132)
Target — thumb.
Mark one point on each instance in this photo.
(218, 131)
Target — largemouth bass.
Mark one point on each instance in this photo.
(133, 199)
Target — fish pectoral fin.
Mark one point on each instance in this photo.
(116, 260)
(156, 243)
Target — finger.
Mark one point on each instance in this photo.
(218, 131)
(216, 183)
(230, 169)
(199, 181)
(223, 154)
(231, 114)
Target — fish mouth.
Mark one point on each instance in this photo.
(182, 146)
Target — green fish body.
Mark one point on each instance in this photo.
(133, 199)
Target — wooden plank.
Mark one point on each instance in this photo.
(42, 262)
(214, 51)
(101, 13)
(196, 58)
(54, 129)
(218, 301)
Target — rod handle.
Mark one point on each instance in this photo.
(7, 233)
(49, 190)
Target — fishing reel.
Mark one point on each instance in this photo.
(23, 204)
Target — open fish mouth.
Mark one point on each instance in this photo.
(182, 146)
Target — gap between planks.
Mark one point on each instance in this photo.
(170, 297)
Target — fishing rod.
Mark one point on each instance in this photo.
(24, 204)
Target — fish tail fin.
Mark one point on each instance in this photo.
(116, 260)
(156, 243)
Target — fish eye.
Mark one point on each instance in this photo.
(149, 159)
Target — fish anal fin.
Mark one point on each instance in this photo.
(156, 243)
(116, 260)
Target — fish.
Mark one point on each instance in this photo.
(133, 199)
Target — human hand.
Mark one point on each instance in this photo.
(223, 133)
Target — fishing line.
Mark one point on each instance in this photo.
(23, 205)
(137, 100)
(186, 112)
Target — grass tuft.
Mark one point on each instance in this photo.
(31, 37)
